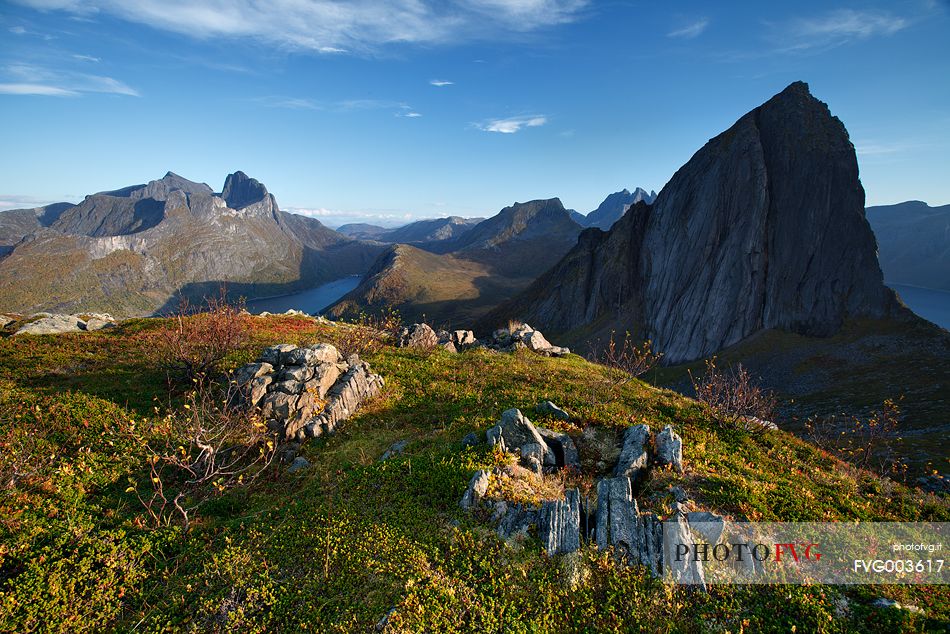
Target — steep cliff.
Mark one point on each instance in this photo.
(763, 228)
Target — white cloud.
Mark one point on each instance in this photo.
(441, 82)
(17, 30)
(691, 30)
(335, 217)
(840, 27)
(86, 58)
(410, 115)
(39, 80)
(512, 124)
(36, 89)
(333, 26)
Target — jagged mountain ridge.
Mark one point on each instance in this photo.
(417, 232)
(132, 251)
(763, 228)
(615, 206)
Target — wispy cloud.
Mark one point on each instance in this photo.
(15, 201)
(409, 115)
(336, 217)
(441, 82)
(18, 30)
(512, 124)
(36, 89)
(27, 79)
(345, 105)
(840, 27)
(691, 30)
(333, 26)
(86, 58)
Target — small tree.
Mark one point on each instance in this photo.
(633, 361)
(202, 451)
(868, 443)
(194, 344)
(734, 397)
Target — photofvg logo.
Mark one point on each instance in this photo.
(723, 552)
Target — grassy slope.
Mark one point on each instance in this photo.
(333, 549)
(868, 361)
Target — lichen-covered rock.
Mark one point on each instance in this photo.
(559, 524)
(272, 354)
(356, 385)
(547, 408)
(463, 339)
(532, 456)
(669, 449)
(477, 487)
(707, 524)
(325, 353)
(563, 450)
(637, 538)
(516, 522)
(517, 431)
(418, 336)
(51, 325)
(679, 568)
(633, 460)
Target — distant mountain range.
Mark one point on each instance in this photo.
(913, 242)
(420, 231)
(453, 281)
(135, 250)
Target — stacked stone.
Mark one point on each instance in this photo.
(306, 392)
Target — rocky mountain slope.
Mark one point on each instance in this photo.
(457, 280)
(418, 232)
(615, 206)
(913, 242)
(763, 228)
(135, 250)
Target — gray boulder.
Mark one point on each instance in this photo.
(559, 524)
(669, 449)
(299, 464)
(52, 325)
(477, 488)
(633, 460)
(418, 336)
(636, 538)
(325, 353)
(517, 431)
(680, 569)
(516, 522)
(470, 440)
(563, 451)
(707, 524)
(273, 354)
(547, 408)
(394, 450)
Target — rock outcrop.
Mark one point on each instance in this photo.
(305, 392)
(763, 228)
(51, 324)
(615, 206)
(560, 524)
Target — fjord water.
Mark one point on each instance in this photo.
(312, 300)
(931, 304)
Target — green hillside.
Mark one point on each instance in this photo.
(352, 539)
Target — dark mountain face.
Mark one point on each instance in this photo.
(133, 250)
(913, 241)
(615, 206)
(763, 228)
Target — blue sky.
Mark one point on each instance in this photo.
(387, 111)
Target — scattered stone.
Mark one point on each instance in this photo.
(418, 336)
(517, 431)
(547, 408)
(935, 483)
(681, 570)
(6, 319)
(516, 524)
(305, 392)
(532, 456)
(463, 339)
(98, 323)
(470, 440)
(885, 603)
(707, 524)
(476, 490)
(633, 461)
(299, 464)
(524, 336)
(49, 324)
(679, 494)
(394, 450)
(562, 448)
(669, 449)
(559, 524)
(637, 538)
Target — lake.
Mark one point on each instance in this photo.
(932, 305)
(310, 301)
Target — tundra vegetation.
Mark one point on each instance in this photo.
(354, 542)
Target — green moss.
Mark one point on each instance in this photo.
(336, 547)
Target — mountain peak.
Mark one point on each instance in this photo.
(240, 190)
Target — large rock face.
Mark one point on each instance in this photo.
(133, 251)
(615, 206)
(763, 228)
